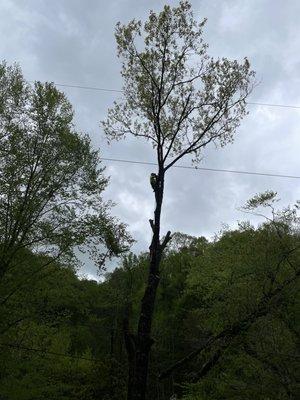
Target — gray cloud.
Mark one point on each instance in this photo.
(73, 42)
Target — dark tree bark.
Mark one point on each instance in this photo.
(138, 355)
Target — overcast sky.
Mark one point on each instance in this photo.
(72, 42)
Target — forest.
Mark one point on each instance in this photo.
(192, 318)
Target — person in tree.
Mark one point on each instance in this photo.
(153, 181)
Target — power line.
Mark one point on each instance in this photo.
(205, 169)
(272, 105)
(89, 88)
(52, 353)
(121, 91)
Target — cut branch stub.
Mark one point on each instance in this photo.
(166, 240)
(151, 224)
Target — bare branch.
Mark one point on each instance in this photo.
(166, 240)
(151, 224)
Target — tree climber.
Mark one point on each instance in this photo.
(153, 181)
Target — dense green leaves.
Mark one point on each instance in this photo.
(240, 291)
(51, 206)
(59, 346)
(50, 181)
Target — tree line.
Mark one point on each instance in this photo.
(225, 326)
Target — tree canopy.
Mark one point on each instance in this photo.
(51, 182)
(176, 95)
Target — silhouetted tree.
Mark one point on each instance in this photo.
(180, 100)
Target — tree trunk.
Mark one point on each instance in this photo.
(143, 340)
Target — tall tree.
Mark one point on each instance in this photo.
(180, 100)
(50, 181)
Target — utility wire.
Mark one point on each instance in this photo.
(52, 353)
(272, 105)
(88, 88)
(121, 91)
(204, 169)
(185, 166)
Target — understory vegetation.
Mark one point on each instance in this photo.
(225, 324)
